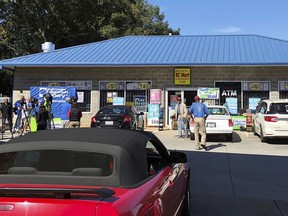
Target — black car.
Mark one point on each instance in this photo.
(118, 116)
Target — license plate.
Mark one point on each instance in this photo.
(108, 122)
(211, 124)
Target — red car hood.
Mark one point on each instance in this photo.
(41, 201)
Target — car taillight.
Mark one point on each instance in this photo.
(93, 119)
(271, 118)
(230, 123)
(126, 118)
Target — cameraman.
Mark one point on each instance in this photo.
(48, 106)
(7, 115)
(18, 107)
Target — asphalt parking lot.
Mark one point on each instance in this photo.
(242, 178)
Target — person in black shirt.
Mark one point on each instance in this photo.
(7, 115)
(74, 115)
(42, 118)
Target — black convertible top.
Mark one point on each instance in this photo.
(127, 147)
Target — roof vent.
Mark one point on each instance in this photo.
(48, 47)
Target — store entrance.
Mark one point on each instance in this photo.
(186, 94)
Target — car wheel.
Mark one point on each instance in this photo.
(262, 138)
(192, 136)
(186, 203)
(254, 129)
(229, 137)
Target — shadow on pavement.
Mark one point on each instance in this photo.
(238, 184)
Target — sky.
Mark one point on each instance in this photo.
(217, 17)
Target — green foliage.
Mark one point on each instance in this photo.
(26, 24)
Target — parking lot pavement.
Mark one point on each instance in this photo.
(243, 177)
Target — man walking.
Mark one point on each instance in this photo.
(65, 107)
(199, 112)
(181, 116)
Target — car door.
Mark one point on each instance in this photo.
(259, 117)
(171, 189)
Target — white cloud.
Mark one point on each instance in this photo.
(229, 29)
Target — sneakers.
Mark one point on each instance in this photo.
(204, 147)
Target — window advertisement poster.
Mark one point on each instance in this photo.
(231, 103)
(118, 100)
(80, 97)
(140, 102)
(182, 76)
(208, 93)
(110, 96)
(173, 101)
(253, 103)
(153, 114)
(155, 96)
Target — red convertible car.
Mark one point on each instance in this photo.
(90, 171)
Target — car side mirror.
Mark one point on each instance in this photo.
(178, 157)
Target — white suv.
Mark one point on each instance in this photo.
(271, 119)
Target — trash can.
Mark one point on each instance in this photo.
(249, 126)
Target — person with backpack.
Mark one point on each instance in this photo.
(74, 115)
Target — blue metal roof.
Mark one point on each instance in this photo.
(164, 51)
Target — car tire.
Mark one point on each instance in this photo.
(262, 138)
(192, 136)
(186, 203)
(229, 137)
(254, 129)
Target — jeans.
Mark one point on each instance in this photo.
(182, 125)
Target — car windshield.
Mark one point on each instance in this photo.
(114, 110)
(217, 111)
(56, 162)
(279, 108)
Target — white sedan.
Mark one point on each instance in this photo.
(218, 122)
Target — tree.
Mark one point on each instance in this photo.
(26, 24)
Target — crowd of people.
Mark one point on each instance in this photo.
(197, 115)
(18, 117)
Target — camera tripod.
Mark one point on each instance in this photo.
(50, 119)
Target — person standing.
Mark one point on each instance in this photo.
(7, 115)
(65, 107)
(74, 115)
(18, 106)
(42, 118)
(181, 116)
(199, 113)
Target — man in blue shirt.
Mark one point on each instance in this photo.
(199, 112)
(65, 107)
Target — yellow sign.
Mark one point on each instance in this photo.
(182, 76)
(255, 86)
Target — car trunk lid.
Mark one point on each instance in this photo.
(112, 119)
(51, 201)
(218, 121)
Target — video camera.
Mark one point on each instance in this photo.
(22, 101)
(34, 102)
(73, 99)
(48, 97)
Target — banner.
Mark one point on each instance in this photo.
(232, 105)
(59, 93)
(208, 93)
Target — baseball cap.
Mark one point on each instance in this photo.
(196, 98)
